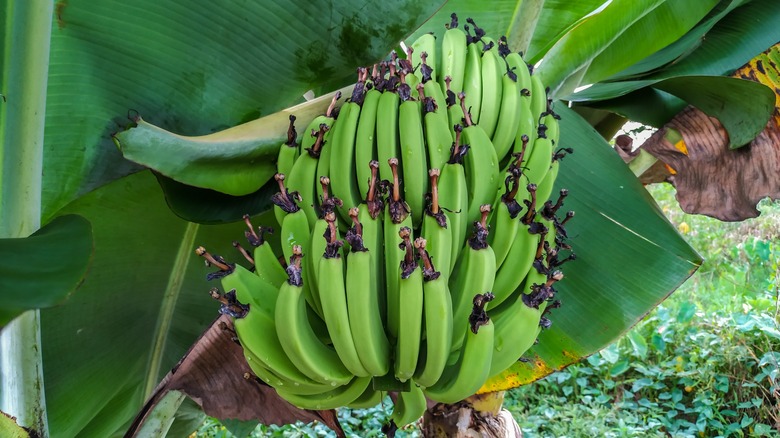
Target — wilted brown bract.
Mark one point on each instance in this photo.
(212, 374)
(712, 179)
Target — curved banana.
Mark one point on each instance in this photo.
(422, 48)
(396, 217)
(387, 128)
(365, 322)
(413, 157)
(342, 158)
(514, 332)
(538, 97)
(454, 197)
(333, 296)
(256, 331)
(288, 151)
(295, 225)
(409, 407)
(365, 138)
(332, 399)
(370, 216)
(370, 398)
(266, 263)
(464, 377)
(482, 173)
(317, 360)
(521, 254)
(472, 83)
(454, 108)
(437, 131)
(504, 223)
(474, 274)
(510, 113)
(302, 177)
(437, 307)
(492, 87)
(453, 56)
(410, 314)
(538, 163)
(273, 379)
(435, 229)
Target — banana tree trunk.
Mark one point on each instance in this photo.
(477, 416)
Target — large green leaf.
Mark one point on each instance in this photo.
(144, 303)
(42, 270)
(629, 257)
(730, 43)
(588, 38)
(661, 27)
(194, 69)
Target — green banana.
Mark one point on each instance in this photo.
(504, 223)
(317, 360)
(266, 263)
(288, 151)
(481, 165)
(332, 399)
(454, 196)
(370, 216)
(396, 217)
(437, 131)
(365, 322)
(453, 56)
(514, 332)
(342, 159)
(464, 377)
(333, 296)
(273, 379)
(473, 274)
(303, 175)
(472, 82)
(538, 97)
(365, 138)
(410, 297)
(435, 229)
(413, 161)
(425, 47)
(538, 163)
(437, 307)
(387, 126)
(454, 108)
(256, 331)
(521, 254)
(370, 398)
(295, 225)
(409, 407)
(492, 87)
(509, 115)
(310, 274)
(323, 164)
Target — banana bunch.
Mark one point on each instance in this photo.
(420, 243)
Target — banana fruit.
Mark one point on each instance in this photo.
(438, 172)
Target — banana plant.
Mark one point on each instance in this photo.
(229, 76)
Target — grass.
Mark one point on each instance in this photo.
(704, 363)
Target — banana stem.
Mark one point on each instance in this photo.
(409, 264)
(466, 113)
(529, 215)
(213, 260)
(523, 24)
(292, 134)
(434, 175)
(332, 106)
(429, 271)
(244, 252)
(25, 75)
